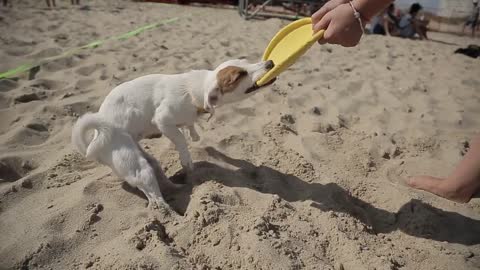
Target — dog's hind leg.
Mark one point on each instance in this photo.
(160, 175)
(146, 181)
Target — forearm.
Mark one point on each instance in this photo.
(369, 8)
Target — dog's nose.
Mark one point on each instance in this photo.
(269, 64)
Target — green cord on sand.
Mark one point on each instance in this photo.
(94, 44)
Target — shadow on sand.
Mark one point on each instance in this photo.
(413, 218)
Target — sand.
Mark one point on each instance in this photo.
(307, 174)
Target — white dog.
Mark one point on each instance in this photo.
(155, 104)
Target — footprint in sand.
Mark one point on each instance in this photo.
(88, 70)
(55, 224)
(298, 101)
(354, 86)
(245, 111)
(30, 134)
(327, 76)
(20, 47)
(107, 182)
(397, 174)
(44, 84)
(83, 84)
(37, 127)
(225, 43)
(53, 27)
(230, 141)
(61, 64)
(18, 51)
(7, 85)
(4, 103)
(278, 95)
(26, 98)
(104, 75)
(49, 52)
(471, 83)
(14, 168)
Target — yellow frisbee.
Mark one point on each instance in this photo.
(291, 42)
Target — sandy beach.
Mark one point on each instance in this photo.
(307, 174)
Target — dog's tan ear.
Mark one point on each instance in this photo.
(228, 78)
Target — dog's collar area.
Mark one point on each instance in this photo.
(200, 109)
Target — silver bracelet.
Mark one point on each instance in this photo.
(357, 16)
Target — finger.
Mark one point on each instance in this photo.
(323, 23)
(317, 16)
(328, 35)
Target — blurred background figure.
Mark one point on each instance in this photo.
(387, 22)
(472, 21)
(51, 3)
(410, 25)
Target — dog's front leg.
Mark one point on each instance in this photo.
(193, 133)
(176, 136)
(178, 139)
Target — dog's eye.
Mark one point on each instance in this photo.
(213, 98)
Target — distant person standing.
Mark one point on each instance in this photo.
(473, 19)
(51, 3)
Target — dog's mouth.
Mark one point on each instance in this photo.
(255, 86)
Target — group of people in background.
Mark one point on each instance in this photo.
(409, 25)
(392, 22)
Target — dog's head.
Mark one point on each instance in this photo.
(233, 81)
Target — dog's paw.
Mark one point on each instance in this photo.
(155, 203)
(160, 205)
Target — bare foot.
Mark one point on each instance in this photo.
(446, 188)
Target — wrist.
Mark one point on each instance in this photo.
(369, 8)
(358, 17)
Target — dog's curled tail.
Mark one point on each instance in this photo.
(86, 123)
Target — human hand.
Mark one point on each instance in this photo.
(340, 25)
